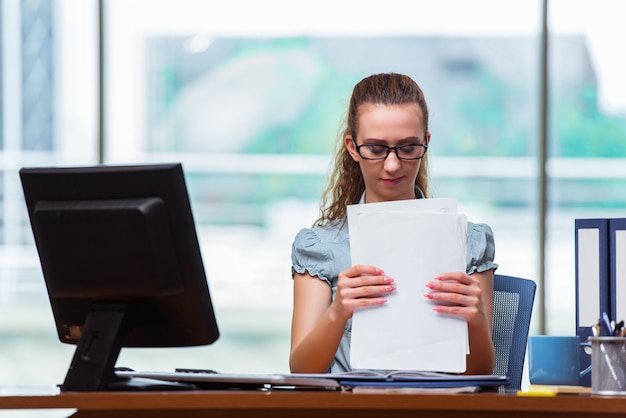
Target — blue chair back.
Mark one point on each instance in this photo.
(512, 309)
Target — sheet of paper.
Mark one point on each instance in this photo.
(412, 241)
(440, 204)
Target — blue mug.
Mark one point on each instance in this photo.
(555, 360)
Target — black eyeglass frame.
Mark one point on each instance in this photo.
(390, 149)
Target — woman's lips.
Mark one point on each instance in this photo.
(392, 182)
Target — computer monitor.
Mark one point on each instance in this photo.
(121, 262)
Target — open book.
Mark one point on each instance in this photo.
(409, 378)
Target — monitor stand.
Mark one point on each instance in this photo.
(93, 365)
(97, 350)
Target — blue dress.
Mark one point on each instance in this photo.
(324, 252)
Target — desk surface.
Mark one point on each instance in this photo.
(317, 404)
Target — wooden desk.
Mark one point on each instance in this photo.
(318, 405)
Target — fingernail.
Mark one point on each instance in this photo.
(428, 295)
(381, 301)
(388, 280)
(430, 285)
(379, 271)
(440, 277)
(390, 288)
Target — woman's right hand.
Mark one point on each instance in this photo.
(317, 327)
(361, 286)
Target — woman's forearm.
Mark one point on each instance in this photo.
(482, 357)
(316, 351)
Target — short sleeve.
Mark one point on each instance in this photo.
(481, 248)
(310, 255)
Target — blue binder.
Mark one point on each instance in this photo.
(592, 280)
(617, 260)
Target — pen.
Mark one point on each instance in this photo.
(605, 323)
(595, 330)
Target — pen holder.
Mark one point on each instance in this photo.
(608, 365)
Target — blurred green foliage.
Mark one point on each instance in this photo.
(477, 110)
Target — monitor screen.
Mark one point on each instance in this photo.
(121, 262)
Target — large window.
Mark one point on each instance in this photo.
(587, 123)
(48, 81)
(250, 97)
(251, 100)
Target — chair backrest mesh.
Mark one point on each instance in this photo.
(512, 309)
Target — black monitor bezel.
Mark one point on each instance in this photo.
(183, 318)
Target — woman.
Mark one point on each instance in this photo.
(381, 157)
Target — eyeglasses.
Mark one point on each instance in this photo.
(381, 152)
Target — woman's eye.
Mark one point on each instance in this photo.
(374, 149)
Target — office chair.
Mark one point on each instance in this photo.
(512, 309)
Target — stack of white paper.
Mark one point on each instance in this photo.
(413, 241)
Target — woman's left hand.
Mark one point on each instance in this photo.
(457, 294)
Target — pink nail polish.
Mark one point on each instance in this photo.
(388, 280)
(430, 285)
(428, 295)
